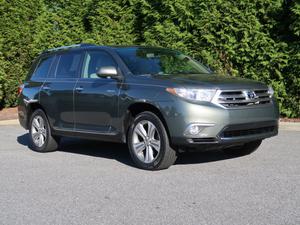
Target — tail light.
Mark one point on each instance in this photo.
(20, 89)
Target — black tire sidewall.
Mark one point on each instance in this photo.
(163, 138)
(43, 148)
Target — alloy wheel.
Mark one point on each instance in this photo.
(38, 131)
(146, 141)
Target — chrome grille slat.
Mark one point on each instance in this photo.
(262, 94)
(264, 98)
(242, 98)
(238, 102)
(233, 96)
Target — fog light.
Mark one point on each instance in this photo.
(194, 129)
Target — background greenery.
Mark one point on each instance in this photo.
(258, 39)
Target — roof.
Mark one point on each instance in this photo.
(84, 45)
(68, 47)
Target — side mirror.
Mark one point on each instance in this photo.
(108, 72)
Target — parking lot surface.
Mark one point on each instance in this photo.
(90, 182)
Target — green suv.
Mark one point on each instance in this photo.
(158, 101)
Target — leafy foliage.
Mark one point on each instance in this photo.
(257, 39)
(111, 22)
(16, 37)
(291, 104)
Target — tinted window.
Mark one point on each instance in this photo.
(52, 71)
(159, 61)
(94, 60)
(43, 68)
(68, 65)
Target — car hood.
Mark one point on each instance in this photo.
(214, 81)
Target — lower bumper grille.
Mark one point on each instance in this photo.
(239, 133)
(244, 130)
(202, 140)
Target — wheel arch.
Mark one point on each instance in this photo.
(30, 109)
(138, 107)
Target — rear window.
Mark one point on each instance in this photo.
(68, 65)
(43, 67)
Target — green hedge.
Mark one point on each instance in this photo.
(258, 39)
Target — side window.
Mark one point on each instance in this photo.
(43, 67)
(68, 65)
(94, 60)
(52, 71)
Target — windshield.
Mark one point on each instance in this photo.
(159, 61)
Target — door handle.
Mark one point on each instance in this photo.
(46, 88)
(79, 89)
(29, 101)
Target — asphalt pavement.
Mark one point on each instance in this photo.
(90, 182)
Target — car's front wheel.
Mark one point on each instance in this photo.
(148, 143)
(40, 137)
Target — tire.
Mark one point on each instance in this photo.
(40, 137)
(244, 149)
(149, 147)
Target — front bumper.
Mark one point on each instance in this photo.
(230, 126)
(240, 133)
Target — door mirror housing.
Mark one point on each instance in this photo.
(108, 72)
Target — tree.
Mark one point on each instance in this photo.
(110, 22)
(16, 43)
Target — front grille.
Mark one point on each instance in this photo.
(239, 98)
(253, 131)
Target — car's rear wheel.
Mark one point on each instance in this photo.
(244, 149)
(40, 137)
(148, 143)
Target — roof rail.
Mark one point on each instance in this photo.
(68, 47)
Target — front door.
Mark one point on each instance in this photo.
(95, 98)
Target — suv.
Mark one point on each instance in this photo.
(158, 101)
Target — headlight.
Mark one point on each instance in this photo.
(193, 94)
(270, 91)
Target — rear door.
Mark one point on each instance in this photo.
(96, 98)
(57, 92)
(34, 81)
(39, 71)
